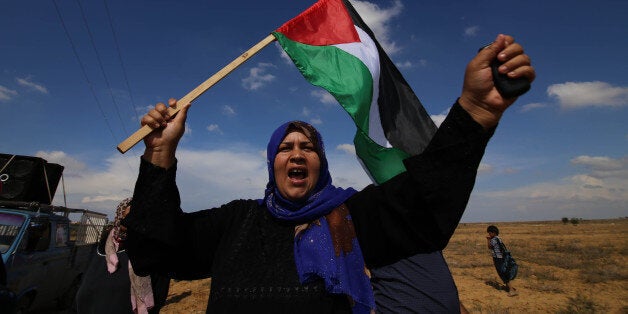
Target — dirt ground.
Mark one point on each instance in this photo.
(563, 268)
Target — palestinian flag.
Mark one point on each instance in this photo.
(334, 49)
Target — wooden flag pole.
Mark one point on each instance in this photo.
(198, 91)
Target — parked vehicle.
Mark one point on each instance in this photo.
(45, 248)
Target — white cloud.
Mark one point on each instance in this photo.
(145, 109)
(485, 168)
(604, 168)
(601, 191)
(26, 82)
(188, 131)
(347, 148)
(574, 95)
(314, 120)
(282, 53)
(257, 77)
(347, 171)
(532, 106)
(73, 167)
(599, 162)
(206, 178)
(214, 128)
(323, 96)
(378, 19)
(213, 177)
(577, 187)
(410, 64)
(6, 94)
(101, 199)
(404, 65)
(471, 31)
(439, 118)
(228, 111)
(306, 112)
(94, 189)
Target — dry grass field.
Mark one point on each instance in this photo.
(563, 268)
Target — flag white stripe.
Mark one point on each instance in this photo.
(366, 51)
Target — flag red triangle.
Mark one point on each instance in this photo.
(327, 22)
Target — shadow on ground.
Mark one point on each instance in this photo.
(178, 297)
(495, 284)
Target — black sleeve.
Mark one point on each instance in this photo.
(161, 238)
(418, 210)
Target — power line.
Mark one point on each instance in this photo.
(102, 69)
(86, 77)
(126, 79)
(78, 59)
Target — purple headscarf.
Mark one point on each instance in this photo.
(313, 248)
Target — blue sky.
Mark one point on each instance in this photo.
(75, 77)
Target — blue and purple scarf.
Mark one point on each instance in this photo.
(313, 248)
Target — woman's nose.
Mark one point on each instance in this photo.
(297, 156)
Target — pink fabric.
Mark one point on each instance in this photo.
(111, 253)
(141, 288)
(141, 292)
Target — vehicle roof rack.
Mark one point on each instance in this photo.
(38, 207)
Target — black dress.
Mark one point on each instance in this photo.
(102, 292)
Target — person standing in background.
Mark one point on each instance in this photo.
(497, 248)
(110, 285)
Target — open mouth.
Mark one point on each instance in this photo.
(297, 173)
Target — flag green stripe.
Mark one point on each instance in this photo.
(328, 67)
(383, 163)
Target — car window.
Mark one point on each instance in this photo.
(38, 235)
(10, 225)
(62, 235)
